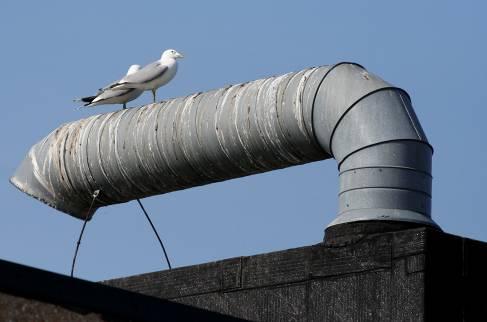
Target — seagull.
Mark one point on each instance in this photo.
(152, 76)
(107, 95)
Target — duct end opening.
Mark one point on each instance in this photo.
(26, 180)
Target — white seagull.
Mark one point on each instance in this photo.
(152, 76)
(108, 95)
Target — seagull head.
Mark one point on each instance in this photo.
(171, 53)
(133, 69)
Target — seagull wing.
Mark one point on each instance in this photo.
(145, 75)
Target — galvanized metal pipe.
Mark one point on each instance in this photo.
(339, 111)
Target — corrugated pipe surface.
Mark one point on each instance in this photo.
(338, 111)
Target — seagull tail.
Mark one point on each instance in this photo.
(87, 99)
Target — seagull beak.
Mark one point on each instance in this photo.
(179, 55)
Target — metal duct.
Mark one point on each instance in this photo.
(339, 111)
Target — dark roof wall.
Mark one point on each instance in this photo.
(413, 274)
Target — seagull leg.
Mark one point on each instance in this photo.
(154, 95)
(124, 106)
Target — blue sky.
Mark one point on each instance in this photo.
(54, 51)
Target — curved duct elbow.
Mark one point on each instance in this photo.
(339, 111)
(383, 156)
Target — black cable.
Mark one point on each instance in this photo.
(155, 231)
(95, 194)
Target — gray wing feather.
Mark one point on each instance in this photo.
(146, 74)
(111, 93)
